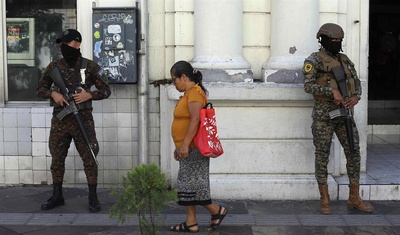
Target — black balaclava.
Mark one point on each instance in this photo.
(332, 47)
(70, 54)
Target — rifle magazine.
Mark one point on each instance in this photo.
(65, 112)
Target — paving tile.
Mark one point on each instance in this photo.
(52, 219)
(95, 219)
(393, 219)
(363, 220)
(283, 220)
(15, 218)
(318, 220)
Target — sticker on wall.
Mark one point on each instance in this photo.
(96, 34)
(110, 53)
(114, 61)
(117, 37)
(125, 58)
(108, 41)
(114, 28)
(120, 45)
(97, 25)
(97, 49)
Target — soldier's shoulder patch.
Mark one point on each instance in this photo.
(101, 72)
(308, 67)
(103, 76)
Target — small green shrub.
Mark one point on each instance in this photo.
(145, 194)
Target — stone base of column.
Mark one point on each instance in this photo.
(283, 76)
(283, 69)
(227, 75)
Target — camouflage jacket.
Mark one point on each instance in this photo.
(94, 77)
(313, 69)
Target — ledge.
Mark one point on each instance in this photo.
(250, 91)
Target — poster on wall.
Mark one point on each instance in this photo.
(22, 74)
(20, 36)
(114, 43)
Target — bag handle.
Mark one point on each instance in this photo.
(208, 106)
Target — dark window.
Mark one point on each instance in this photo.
(384, 50)
(32, 28)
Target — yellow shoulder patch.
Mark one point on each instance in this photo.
(308, 67)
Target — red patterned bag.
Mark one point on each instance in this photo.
(206, 138)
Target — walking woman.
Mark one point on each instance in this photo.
(193, 176)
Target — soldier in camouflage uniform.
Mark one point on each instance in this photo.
(79, 74)
(320, 81)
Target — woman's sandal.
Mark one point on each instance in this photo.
(219, 216)
(183, 227)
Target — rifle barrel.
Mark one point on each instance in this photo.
(84, 134)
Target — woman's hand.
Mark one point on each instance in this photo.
(184, 151)
(177, 155)
(181, 153)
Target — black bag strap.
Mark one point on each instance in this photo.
(208, 106)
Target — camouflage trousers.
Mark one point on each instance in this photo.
(322, 131)
(61, 135)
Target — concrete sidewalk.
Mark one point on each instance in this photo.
(20, 214)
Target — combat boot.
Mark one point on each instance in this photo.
(94, 204)
(56, 200)
(355, 201)
(325, 203)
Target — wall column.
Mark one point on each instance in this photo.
(294, 25)
(219, 40)
(84, 25)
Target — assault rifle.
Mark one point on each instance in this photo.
(342, 111)
(71, 108)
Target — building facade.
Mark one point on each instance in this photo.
(250, 52)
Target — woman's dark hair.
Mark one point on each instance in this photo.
(184, 67)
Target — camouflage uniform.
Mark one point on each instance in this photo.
(62, 132)
(323, 127)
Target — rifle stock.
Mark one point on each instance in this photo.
(71, 108)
